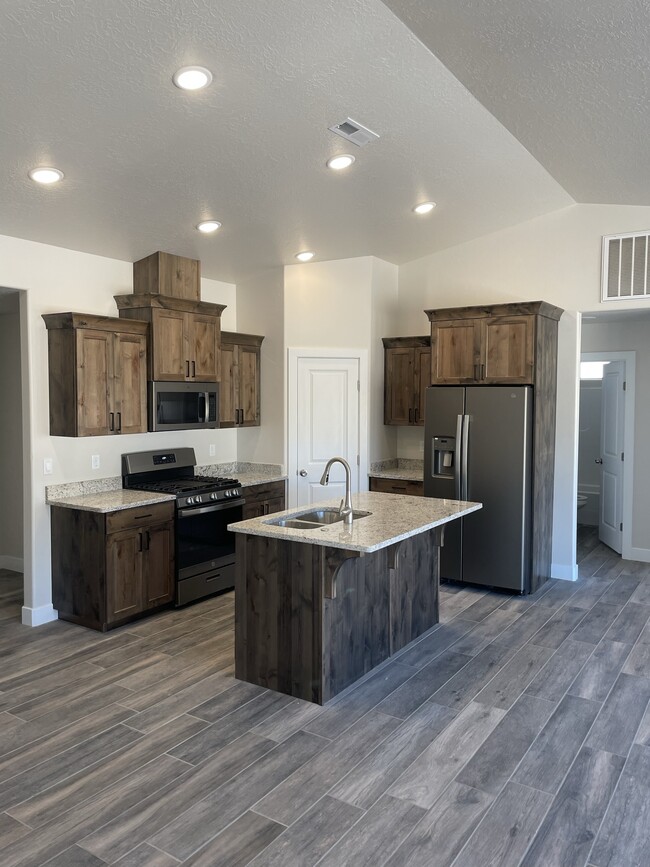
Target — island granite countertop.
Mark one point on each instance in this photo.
(393, 517)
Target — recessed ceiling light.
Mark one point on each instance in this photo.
(424, 208)
(208, 226)
(45, 175)
(305, 256)
(343, 161)
(192, 77)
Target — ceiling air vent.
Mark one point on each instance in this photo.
(354, 132)
(625, 266)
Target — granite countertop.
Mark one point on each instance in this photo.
(247, 479)
(406, 470)
(111, 501)
(394, 517)
(248, 473)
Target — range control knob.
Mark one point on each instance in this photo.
(190, 500)
(198, 499)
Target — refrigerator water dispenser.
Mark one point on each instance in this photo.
(444, 456)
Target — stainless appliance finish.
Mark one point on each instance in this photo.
(205, 549)
(477, 446)
(183, 405)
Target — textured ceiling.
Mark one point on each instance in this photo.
(570, 81)
(86, 87)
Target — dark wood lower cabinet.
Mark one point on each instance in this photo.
(263, 499)
(108, 568)
(397, 486)
(311, 620)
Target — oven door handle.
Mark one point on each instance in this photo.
(217, 507)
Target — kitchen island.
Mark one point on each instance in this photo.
(316, 608)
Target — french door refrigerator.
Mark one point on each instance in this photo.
(477, 446)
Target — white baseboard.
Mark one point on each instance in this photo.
(641, 554)
(564, 571)
(16, 564)
(38, 616)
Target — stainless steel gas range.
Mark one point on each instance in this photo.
(205, 550)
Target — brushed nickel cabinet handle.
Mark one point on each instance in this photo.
(187, 370)
(193, 369)
(111, 421)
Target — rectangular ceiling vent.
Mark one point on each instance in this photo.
(625, 266)
(355, 132)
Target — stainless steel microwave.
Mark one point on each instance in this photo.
(183, 405)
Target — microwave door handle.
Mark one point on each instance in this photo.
(203, 398)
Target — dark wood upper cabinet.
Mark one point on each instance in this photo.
(407, 372)
(491, 345)
(239, 397)
(185, 336)
(97, 375)
(166, 274)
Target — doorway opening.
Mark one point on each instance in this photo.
(606, 443)
(12, 527)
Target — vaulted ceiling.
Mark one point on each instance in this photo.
(497, 111)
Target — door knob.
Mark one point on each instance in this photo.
(303, 473)
(598, 461)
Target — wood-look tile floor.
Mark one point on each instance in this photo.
(517, 732)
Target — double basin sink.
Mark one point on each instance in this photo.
(314, 519)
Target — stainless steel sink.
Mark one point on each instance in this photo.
(314, 519)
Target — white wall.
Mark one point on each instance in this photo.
(555, 258)
(260, 310)
(347, 304)
(11, 447)
(58, 280)
(624, 336)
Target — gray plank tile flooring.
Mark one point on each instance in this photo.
(516, 733)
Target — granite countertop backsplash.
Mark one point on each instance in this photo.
(406, 469)
(107, 495)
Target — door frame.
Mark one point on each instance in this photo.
(629, 357)
(295, 353)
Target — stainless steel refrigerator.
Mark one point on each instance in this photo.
(477, 446)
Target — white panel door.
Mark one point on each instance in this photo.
(327, 420)
(612, 430)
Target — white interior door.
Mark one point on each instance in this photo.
(327, 424)
(612, 432)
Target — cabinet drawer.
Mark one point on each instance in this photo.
(267, 491)
(143, 516)
(397, 486)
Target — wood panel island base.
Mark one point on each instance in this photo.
(316, 609)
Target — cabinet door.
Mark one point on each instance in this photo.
(130, 383)
(123, 575)
(171, 359)
(253, 509)
(94, 382)
(227, 389)
(398, 384)
(422, 381)
(158, 564)
(277, 504)
(508, 349)
(248, 369)
(203, 335)
(455, 351)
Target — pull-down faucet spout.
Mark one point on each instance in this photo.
(345, 509)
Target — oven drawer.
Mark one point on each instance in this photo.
(141, 516)
(199, 586)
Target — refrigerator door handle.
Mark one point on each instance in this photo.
(464, 460)
(459, 446)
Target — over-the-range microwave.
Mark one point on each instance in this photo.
(183, 405)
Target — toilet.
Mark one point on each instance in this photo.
(581, 500)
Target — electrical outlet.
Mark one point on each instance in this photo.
(213, 450)
(47, 467)
(94, 462)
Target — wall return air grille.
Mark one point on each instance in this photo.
(625, 266)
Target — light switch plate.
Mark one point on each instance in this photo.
(94, 462)
(47, 467)
(213, 450)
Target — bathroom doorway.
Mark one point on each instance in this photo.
(606, 435)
